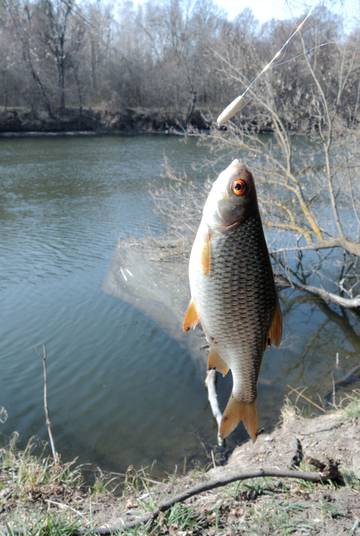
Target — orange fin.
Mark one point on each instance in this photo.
(191, 317)
(217, 362)
(206, 254)
(275, 331)
(236, 412)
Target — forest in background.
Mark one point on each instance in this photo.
(173, 55)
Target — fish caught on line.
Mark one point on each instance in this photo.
(233, 293)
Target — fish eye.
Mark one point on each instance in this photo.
(239, 187)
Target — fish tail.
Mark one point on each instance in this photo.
(237, 411)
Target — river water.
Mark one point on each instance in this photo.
(122, 389)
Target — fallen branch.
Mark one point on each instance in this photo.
(318, 477)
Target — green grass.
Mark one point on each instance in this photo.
(142, 530)
(104, 484)
(47, 525)
(135, 481)
(181, 517)
(28, 474)
(253, 488)
(331, 510)
(275, 517)
(352, 409)
(351, 480)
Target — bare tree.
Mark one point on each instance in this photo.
(181, 57)
(62, 36)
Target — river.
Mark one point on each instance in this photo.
(122, 390)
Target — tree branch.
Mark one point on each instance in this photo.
(347, 245)
(289, 227)
(329, 297)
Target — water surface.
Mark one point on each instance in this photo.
(122, 390)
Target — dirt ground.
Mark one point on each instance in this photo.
(263, 506)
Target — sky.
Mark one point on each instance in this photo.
(265, 10)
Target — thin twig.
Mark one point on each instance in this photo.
(46, 409)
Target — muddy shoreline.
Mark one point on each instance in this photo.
(18, 122)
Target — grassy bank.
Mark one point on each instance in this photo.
(40, 497)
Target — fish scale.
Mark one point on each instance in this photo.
(239, 297)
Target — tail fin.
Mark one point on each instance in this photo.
(236, 412)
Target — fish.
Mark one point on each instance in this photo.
(233, 292)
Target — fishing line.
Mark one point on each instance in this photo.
(308, 51)
(239, 102)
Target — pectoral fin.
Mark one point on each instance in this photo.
(191, 317)
(217, 362)
(275, 331)
(236, 412)
(206, 254)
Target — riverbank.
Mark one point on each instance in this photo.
(19, 121)
(40, 497)
(91, 121)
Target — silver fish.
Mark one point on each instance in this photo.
(233, 291)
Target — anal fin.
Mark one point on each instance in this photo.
(191, 317)
(237, 411)
(217, 362)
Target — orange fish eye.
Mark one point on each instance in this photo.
(239, 187)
